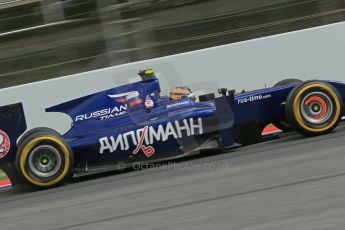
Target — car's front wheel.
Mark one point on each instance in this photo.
(314, 108)
(283, 124)
(44, 160)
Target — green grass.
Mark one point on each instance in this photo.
(2, 175)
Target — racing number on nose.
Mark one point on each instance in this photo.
(2, 149)
(4, 144)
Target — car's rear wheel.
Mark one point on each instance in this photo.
(44, 160)
(314, 108)
(38, 130)
(283, 124)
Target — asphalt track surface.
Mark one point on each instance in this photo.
(289, 183)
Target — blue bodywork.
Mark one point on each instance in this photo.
(117, 125)
(107, 128)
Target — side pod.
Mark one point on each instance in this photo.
(226, 120)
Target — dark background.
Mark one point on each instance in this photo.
(52, 38)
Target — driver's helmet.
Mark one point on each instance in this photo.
(181, 92)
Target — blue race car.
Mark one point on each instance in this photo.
(134, 124)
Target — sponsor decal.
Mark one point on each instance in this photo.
(149, 102)
(144, 138)
(121, 100)
(178, 104)
(149, 150)
(103, 114)
(135, 101)
(5, 144)
(253, 98)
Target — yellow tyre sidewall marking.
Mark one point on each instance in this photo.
(26, 151)
(297, 108)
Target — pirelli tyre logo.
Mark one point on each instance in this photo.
(142, 139)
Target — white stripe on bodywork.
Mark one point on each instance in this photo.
(129, 95)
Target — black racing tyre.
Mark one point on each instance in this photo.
(288, 81)
(44, 159)
(283, 124)
(38, 130)
(314, 108)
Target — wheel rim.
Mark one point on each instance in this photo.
(317, 108)
(45, 161)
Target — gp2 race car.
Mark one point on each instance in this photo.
(133, 124)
